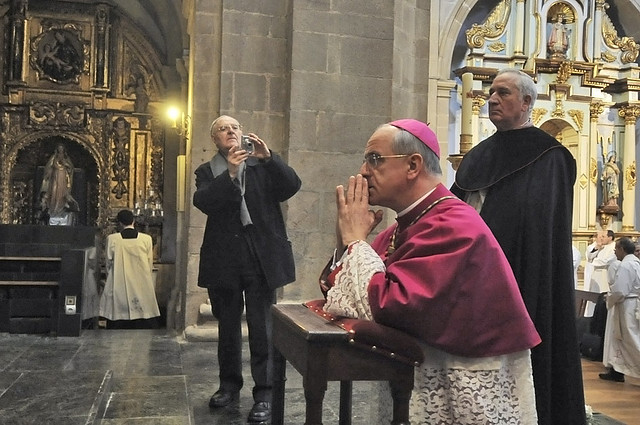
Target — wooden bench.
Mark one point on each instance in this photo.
(23, 264)
(41, 278)
(321, 351)
(582, 299)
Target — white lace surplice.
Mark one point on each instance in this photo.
(348, 297)
(448, 389)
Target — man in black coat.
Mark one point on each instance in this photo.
(521, 181)
(245, 254)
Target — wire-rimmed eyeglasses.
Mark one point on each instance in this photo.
(373, 159)
(224, 128)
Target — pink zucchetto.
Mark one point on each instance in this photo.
(421, 131)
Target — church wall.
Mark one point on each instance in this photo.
(336, 103)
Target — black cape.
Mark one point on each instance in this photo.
(529, 177)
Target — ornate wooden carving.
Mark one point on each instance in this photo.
(56, 115)
(93, 82)
(17, 23)
(493, 27)
(120, 157)
(102, 21)
(60, 53)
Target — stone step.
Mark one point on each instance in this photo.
(206, 330)
(205, 314)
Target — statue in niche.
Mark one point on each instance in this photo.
(558, 43)
(56, 202)
(610, 188)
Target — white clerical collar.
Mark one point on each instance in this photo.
(412, 206)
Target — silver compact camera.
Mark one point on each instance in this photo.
(246, 144)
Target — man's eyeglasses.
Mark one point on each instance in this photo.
(373, 159)
(228, 127)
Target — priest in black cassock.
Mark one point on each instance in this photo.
(521, 181)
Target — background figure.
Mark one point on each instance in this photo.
(245, 255)
(600, 257)
(588, 267)
(577, 257)
(610, 189)
(521, 180)
(128, 299)
(56, 200)
(637, 251)
(90, 287)
(421, 276)
(622, 332)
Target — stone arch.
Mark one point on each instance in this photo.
(564, 132)
(456, 25)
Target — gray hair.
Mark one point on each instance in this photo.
(406, 143)
(213, 124)
(525, 84)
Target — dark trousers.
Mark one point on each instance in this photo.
(252, 292)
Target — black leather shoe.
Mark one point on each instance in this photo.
(222, 398)
(260, 412)
(612, 375)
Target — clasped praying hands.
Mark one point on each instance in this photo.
(355, 218)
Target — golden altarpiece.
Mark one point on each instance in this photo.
(82, 77)
(588, 84)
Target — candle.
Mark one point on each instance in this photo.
(466, 136)
(467, 103)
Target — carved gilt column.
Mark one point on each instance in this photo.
(99, 89)
(478, 103)
(15, 46)
(17, 28)
(628, 182)
(102, 20)
(597, 36)
(595, 110)
(518, 48)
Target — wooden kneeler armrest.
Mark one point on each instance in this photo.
(374, 337)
